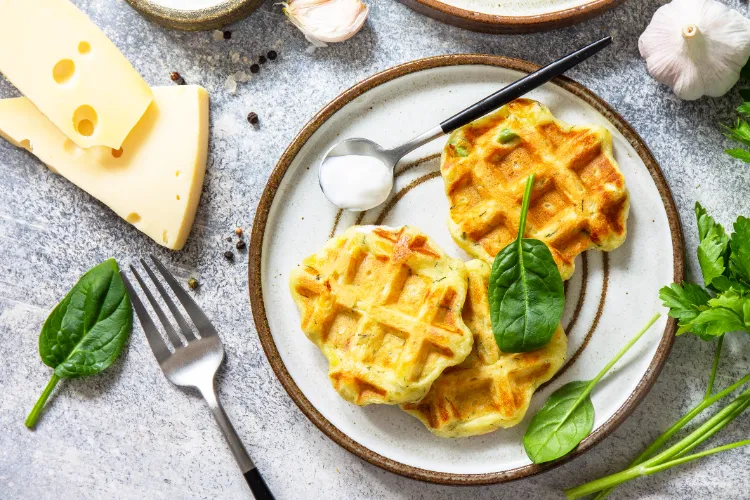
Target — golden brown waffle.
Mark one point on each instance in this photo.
(384, 306)
(579, 199)
(490, 389)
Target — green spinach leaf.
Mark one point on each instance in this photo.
(564, 421)
(86, 331)
(526, 292)
(568, 415)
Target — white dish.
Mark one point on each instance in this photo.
(608, 299)
(514, 7)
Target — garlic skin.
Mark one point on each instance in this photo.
(327, 21)
(696, 47)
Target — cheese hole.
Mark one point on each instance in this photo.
(117, 152)
(85, 120)
(63, 70)
(177, 197)
(70, 147)
(133, 218)
(164, 237)
(84, 47)
(26, 144)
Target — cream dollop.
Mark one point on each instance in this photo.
(355, 182)
(327, 21)
(696, 47)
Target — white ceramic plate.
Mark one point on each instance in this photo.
(608, 300)
(511, 16)
(516, 7)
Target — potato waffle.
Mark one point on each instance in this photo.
(579, 199)
(490, 389)
(384, 306)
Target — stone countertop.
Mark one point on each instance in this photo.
(130, 434)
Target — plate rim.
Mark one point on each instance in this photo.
(255, 256)
(492, 23)
(214, 17)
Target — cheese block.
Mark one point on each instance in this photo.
(71, 71)
(154, 181)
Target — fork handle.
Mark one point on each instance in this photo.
(252, 475)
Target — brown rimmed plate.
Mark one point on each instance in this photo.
(608, 299)
(514, 16)
(195, 15)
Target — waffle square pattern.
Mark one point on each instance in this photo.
(579, 200)
(384, 306)
(490, 389)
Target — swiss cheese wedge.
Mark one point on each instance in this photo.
(154, 181)
(71, 71)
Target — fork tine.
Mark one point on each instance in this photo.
(173, 337)
(159, 348)
(204, 326)
(186, 331)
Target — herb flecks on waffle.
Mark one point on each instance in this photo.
(490, 389)
(579, 199)
(384, 306)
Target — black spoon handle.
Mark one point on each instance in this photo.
(522, 86)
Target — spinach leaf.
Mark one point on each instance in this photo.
(565, 420)
(86, 331)
(568, 415)
(526, 291)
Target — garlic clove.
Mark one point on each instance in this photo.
(327, 21)
(696, 47)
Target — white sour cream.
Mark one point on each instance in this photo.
(355, 182)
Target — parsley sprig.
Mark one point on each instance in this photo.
(740, 132)
(723, 305)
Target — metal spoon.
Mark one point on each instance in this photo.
(390, 157)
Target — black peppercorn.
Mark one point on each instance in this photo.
(227, 35)
(262, 59)
(254, 68)
(272, 54)
(252, 117)
(229, 239)
(240, 245)
(229, 255)
(177, 78)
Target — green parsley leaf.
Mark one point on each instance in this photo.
(739, 261)
(718, 321)
(685, 302)
(739, 153)
(713, 246)
(740, 132)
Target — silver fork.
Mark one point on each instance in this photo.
(194, 361)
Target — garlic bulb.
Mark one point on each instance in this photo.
(696, 47)
(327, 21)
